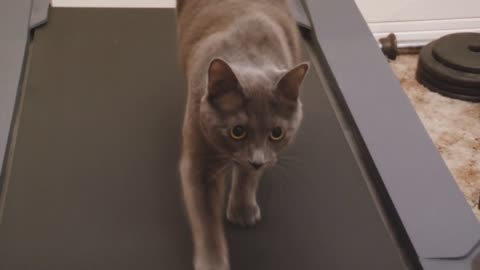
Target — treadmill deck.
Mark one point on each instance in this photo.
(94, 181)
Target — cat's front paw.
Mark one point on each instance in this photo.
(244, 214)
(202, 264)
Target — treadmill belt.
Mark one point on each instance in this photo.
(94, 182)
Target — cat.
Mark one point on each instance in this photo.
(242, 62)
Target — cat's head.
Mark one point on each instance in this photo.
(250, 114)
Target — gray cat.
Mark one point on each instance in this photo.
(242, 61)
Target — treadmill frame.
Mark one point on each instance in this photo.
(426, 210)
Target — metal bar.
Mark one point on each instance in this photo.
(432, 209)
(299, 14)
(39, 13)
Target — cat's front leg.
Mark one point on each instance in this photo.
(204, 191)
(243, 208)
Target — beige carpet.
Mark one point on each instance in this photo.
(453, 125)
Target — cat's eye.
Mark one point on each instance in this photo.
(277, 134)
(238, 133)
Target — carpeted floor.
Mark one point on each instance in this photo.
(453, 125)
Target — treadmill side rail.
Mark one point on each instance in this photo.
(430, 205)
(14, 35)
(39, 13)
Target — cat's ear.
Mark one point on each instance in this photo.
(221, 78)
(289, 85)
(223, 86)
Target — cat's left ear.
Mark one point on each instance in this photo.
(289, 85)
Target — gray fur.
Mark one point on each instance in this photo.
(242, 63)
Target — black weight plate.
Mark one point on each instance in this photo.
(449, 66)
(459, 51)
(432, 83)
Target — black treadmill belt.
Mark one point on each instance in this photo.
(94, 181)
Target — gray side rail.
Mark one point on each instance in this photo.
(17, 19)
(14, 35)
(430, 206)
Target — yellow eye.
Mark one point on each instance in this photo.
(238, 133)
(277, 134)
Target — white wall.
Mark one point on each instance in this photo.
(415, 22)
(417, 10)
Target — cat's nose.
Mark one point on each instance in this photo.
(256, 165)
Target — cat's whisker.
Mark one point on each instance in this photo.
(215, 157)
(293, 170)
(221, 170)
(290, 159)
(287, 165)
(282, 170)
(305, 140)
(218, 155)
(285, 157)
(283, 175)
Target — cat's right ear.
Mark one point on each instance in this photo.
(223, 86)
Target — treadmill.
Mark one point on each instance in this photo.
(91, 108)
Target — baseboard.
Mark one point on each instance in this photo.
(418, 33)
